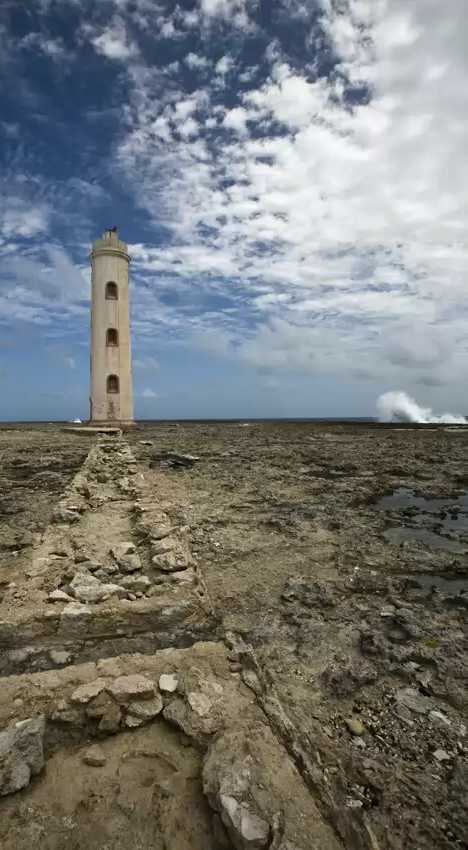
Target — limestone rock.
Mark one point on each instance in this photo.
(247, 826)
(441, 755)
(198, 728)
(130, 563)
(21, 754)
(136, 583)
(87, 692)
(146, 709)
(60, 656)
(110, 720)
(133, 722)
(355, 726)
(65, 515)
(166, 544)
(227, 781)
(59, 596)
(121, 550)
(199, 703)
(88, 588)
(126, 688)
(74, 618)
(161, 530)
(168, 683)
(178, 558)
(94, 756)
(411, 698)
(99, 705)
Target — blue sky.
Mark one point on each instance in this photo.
(290, 175)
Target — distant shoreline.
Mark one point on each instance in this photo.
(330, 420)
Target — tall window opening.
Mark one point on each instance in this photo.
(112, 336)
(112, 292)
(112, 384)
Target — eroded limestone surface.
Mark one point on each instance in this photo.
(213, 645)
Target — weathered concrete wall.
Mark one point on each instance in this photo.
(110, 262)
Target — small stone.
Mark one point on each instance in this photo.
(166, 544)
(252, 830)
(93, 566)
(146, 709)
(199, 703)
(172, 561)
(353, 803)
(94, 756)
(122, 549)
(160, 531)
(130, 563)
(439, 718)
(441, 755)
(64, 515)
(132, 721)
(59, 656)
(59, 596)
(87, 692)
(136, 583)
(126, 688)
(98, 706)
(21, 754)
(88, 588)
(168, 683)
(411, 698)
(18, 656)
(110, 721)
(355, 726)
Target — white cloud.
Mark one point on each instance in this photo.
(235, 10)
(236, 119)
(224, 65)
(18, 218)
(149, 393)
(343, 234)
(52, 47)
(113, 42)
(195, 62)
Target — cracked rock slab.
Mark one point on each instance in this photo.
(21, 754)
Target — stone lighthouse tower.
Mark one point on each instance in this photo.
(111, 398)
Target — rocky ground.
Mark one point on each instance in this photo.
(236, 635)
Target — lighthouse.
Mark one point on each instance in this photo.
(111, 399)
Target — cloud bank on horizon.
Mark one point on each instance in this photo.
(291, 177)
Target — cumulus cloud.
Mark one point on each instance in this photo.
(334, 205)
(114, 42)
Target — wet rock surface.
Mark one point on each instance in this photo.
(327, 706)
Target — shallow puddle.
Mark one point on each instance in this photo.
(403, 533)
(449, 586)
(403, 498)
(451, 520)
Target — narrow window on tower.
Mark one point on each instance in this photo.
(112, 384)
(112, 293)
(112, 336)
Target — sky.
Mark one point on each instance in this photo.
(291, 177)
